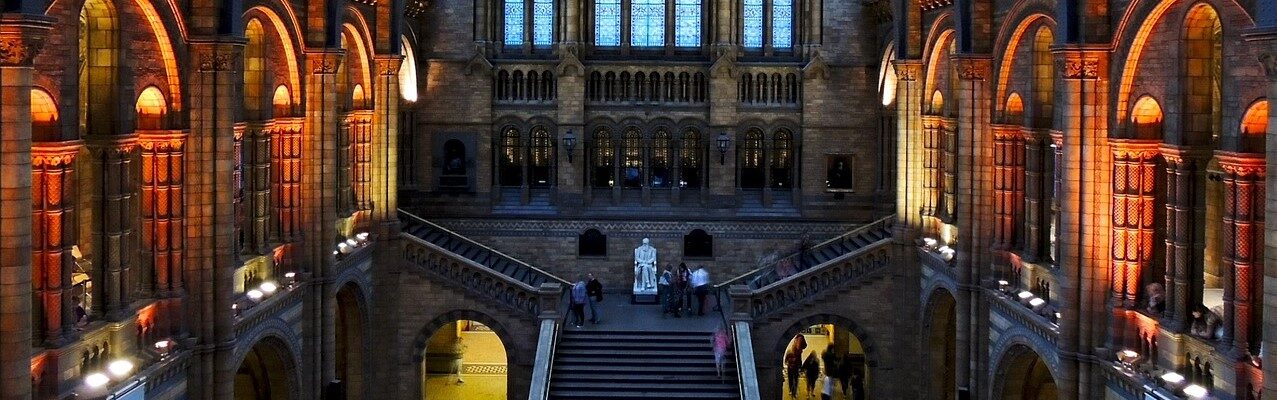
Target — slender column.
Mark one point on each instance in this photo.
(210, 215)
(909, 152)
(162, 221)
(115, 242)
(319, 210)
(256, 155)
(1037, 151)
(1134, 191)
(1181, 204)
(1008, 184)
(53, 233)
(384, 135)
(969, 189)
(1243, 224)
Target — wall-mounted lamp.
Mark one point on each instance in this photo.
(569, 144)
(724, 142)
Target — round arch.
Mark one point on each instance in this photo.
(285, 36)
(99, 61)
(352, 340)
(266, 372)
(1022, 374)
(1005, 65)
(151, 108)
(940, 317)
(44, 113)
(428, 331)
(859, 334)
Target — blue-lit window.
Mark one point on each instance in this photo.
(514, 22)
(542, 22)
(752, 37)
(647, 23)
(782, 24)
(687, 23)
(607, 22)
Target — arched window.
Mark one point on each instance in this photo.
(511, 172)
(661, 159)
(541, 157)
(693, 151)
(647, 23)
(454, 175)
(751, 160)
(782, 24)
(517, 14)
(698, 244)
(542, 22)
(151, 109)
(44, 114)
(756, 26)
(592, 243)
(782, 160)
(687, 23)
(753, 25)
(607, 23)
(1146, 119)
(514, 16)
(602, 158)
(408, 73)
(632, 156)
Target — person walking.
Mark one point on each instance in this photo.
(811, 368)
(857, 384)
(579, 298)
(594, 293)
(845, 368)
(700, 287)
(663, 288)
(685, 276)
(720, 342)
(828, 392)
(793, 365)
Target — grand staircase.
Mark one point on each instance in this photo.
(818, 255)
(469, 249)
(623, 365)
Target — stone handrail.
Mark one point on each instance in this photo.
(766, 274)
(747, 372)
(543, 365)
(1023, 316)
(269, 307)
(546, 276)
(167, 371)
(814, 281)
(482, 280)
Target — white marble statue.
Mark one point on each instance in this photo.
(645, 267)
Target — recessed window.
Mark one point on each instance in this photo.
(592, 243)
(698, 244)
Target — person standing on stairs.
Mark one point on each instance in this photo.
(700, 286)
(663, 288)
(579, 298)
(685, 277)
(720, 341)
(594, 293)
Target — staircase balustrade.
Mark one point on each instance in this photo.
(543, 365)
(742, 341)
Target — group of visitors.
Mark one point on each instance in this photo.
(676, 290)
(838, 367)
(586, 291)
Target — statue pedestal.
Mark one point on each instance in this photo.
(644, 296)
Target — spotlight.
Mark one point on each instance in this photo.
(1003, 283)
(352, 242)
(290, 275)
(96, 380)
(254, 295)
(120, 368)
(1025, 295)
(268, 287)
(361, 236)
(930, 242)
(1035, 302)
(1173, 378)
(1195, 391)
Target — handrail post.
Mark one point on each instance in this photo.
(548, 296)
(741, 302)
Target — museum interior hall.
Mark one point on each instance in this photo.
(637, 199)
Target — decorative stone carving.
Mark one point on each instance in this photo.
(645, 268)
(17, 51)
(479, 61)
(973, 69)
(724, 62)
(817, 68)
(389, 65)
(907, 70)
(1077, 68)
(325, 64)
(213, 61)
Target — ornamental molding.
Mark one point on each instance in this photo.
(478, 61)
(907, 70)
(1078, 68)
(973, 68)
(325, 63)
(19, 51)
(1242, 164)
(1135, 150)
(569, 63)
(389, 65)
(55, 154)
(212, 60)
(164, 142)
(817, 68)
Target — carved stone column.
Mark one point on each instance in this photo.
(54, 232)
(1133, 215)
(115, 245)
(384, 136)
(163, 222)
(1182, 261)
(1037, 204)
(1008, 185)
(318, 205)
(1242, 233)
(969, 190)
(909, 151)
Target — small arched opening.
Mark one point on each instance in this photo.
(266, 372)
(1025, 376)
(464, 359)
(151, 109)
(350, 342)
(942, 346)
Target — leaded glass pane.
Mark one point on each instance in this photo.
(753, 24)
(542, 22)
(687, 23)
(607, 22)
(513, 22)
(647, 23)
(782, 24)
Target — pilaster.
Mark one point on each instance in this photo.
(1133, 223)
(385, 146)
(972, 172)
(114, 246)
(54, 231)
(319, 212)
(1182, 256)
(909, 194)
(163, 223)
(1243, 194)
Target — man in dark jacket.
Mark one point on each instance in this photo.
(594, 290)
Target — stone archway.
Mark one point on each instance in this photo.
(266, 372)
(854, 348)
(1023, 374)
(351, 344)
(941, 328)
(463, 354)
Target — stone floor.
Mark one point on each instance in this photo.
(485, 378)
(617, 313)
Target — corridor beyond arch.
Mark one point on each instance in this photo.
(1022, 374)
(266, 372)
(463, 355)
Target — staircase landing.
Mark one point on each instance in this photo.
(619, 315)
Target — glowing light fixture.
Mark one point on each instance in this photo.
(1037, 302)
(1025, 295)
(361, 236)
(1003, 283)
(351, 242)
(268, 287)
(120, 368)
(1195, 391)
(1173, 378)
(930, 242)
(96, 380)
(255, 294)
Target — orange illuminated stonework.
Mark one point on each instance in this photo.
(1242, 231)
(286, 172)
(53, 233)
(1134, 211)
(1008, 184)
(162, 219)
(360, 126)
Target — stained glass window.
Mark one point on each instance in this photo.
(542, 22)
(687, 23)
(753, 24)
(607, 22)
(647, 23)
(514, 22)
(782, 24)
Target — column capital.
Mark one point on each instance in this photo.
(21, 38)
(907, 70)
(53, 154)
(117, 144)
(1176, 154)
(1007, 131)
(973, 67)
(1083, 62)
(388, 64)
(217, 54)
(1135, 149)
(162, 140)
(325, 61)
(1241, 164)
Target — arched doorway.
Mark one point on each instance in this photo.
(464, 360)
(265, 373)
(1025, 376)
(350, 342)
(942, 346)
(824, 351)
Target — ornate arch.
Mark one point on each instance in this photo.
(273, 335)
(1014, 345)
(287, 39)
(1007, 50)
(429, 329)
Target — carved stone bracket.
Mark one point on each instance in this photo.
(569, 63)
(907, 70)
(21, 38)
(724, 62)
(973, 68)
(817, 68)
(325, 62)
(388, 65)
(478, 61)
(54, 153)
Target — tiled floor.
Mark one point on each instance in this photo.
(485, 364)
